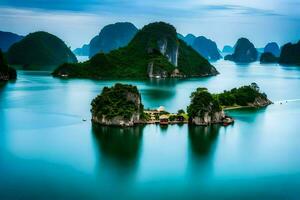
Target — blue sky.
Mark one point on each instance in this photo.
(77, 21)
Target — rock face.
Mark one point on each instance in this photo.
(112, 37)
(207, 48)
(290, 54)
(155, 51)
(204, 109)
(244, 52)
(209, 118)
(6, 72)
(119, 105)
(40, 49)
(273, 48)
(260, 102)
(83, 51)
(7, 39)
(268, 58)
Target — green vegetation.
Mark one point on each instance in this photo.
(268, 58)
(116, 101)
(6, 72)
(290, 54)
(133, 61)
(180, 112)
(190, 63)
(202, 102)
(242, 96)
(40, 49)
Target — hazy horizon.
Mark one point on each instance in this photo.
(78, 21)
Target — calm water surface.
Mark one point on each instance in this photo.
(47, 151)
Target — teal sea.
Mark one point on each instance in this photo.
(47, 151)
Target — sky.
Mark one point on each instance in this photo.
(78, 21)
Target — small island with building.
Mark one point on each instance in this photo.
(121, 105)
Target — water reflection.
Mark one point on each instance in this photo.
(202, 145)
(118, 149)
(202, 139)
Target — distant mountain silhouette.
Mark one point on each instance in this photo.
(272, 48)
(207, 48)
(83, 51)
(155, 51)
(244, 52)
(228, 49)
(7, 39)
(290, 54)
(112, 37)
(40, 49)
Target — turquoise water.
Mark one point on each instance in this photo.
(47, 151)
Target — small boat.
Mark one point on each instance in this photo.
(84, 119)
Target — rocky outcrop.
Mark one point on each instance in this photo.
(155, 51)
(112, 36)
(244, 52)
(119, 105)
(272, 48)
(290, 54)
(83, 51)
(268, 58)
(260, 102)
(209, 118)
(207, 48)
(117, 121)
(170, 51)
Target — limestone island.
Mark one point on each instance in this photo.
(121, 105)
(154, 52)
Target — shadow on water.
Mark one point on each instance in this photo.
(118, 150)
(202, 145)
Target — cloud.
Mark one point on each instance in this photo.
(77, 21)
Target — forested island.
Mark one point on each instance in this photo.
(155, 51)
(39, 49)
(121, 105)
(244, 52)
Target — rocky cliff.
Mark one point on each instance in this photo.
(119, 105)
(273, 48)
(207, 48)
(155, 51)
(268, 58)
(112, 36)
(244, 52)
(209, 118)
(290, 54)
